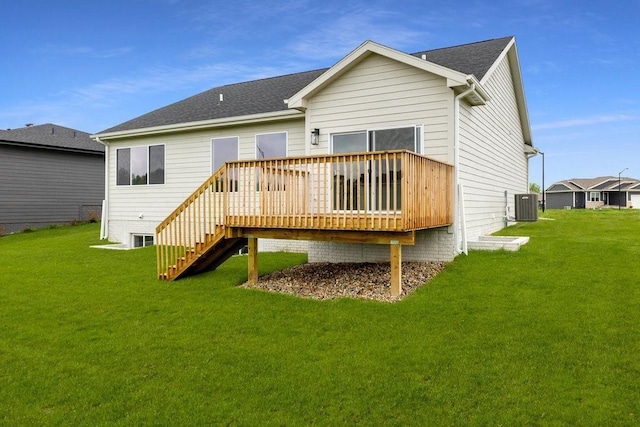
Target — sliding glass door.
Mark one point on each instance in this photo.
(371, 185)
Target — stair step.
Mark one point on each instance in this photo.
(204, 256)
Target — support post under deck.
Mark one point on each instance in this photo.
(396, 268)
(253, 260)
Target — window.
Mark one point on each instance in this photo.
(141, 165)
(142, 240)
(271, 145)
(406, 138)
(223, 150)
(594, 196)
(350, 142)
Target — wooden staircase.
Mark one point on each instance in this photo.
(204, 257)
(193, 238)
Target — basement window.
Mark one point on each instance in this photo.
(142, 240)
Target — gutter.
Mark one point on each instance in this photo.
(458, 214)
(104, 229)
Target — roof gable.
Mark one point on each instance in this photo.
(454, 78)
(51, 136)
(560, 186)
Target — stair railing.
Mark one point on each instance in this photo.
(193, 225)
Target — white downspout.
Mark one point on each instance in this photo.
(456, 171)
(104, 229)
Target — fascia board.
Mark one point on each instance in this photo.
(593, 187)
(454, 78)
(623, 185)
(22, 144)
(560, 191)
(204, 124)
(580, 187)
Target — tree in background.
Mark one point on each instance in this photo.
(534, 188)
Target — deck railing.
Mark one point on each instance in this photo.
(385, 191)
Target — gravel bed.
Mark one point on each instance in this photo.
(369, 281)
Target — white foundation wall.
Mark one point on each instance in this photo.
(282, 245)
(122, 232)
(431, 245)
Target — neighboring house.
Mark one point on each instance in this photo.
(462, 107)
(592, 193)
(49, 174)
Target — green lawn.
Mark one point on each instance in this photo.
(549, 335)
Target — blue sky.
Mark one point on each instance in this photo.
(90, 65)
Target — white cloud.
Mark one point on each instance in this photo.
(587, 121)
(348, 31)
(161, 79)
(65, 50)
(542, 67)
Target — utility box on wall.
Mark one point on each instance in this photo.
(526, 207)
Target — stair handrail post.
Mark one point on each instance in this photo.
(225, 194)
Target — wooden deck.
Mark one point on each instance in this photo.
(380, 197)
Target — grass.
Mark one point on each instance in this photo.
(549, 335)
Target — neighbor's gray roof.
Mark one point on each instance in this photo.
(268, 95)
(51, 136)
(596, 184)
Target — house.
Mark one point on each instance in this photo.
(49, 174)
(383, 156)
(589, 193)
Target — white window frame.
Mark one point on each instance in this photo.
(237, 138)
(286, 143)
(147, 149)
(144, 240)
(418, 134)
(594, 196)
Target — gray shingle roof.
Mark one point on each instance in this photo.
(473, 58)
(268, 95)
(51, 136)
(239, 99)
(600, 183)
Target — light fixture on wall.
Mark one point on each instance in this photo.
(315, 136)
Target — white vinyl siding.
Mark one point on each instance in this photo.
(381, 93)
(187, 165)
(492, 158)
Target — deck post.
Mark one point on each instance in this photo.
(253, 260)
(396, 268)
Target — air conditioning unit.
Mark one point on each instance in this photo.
(526, 207)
